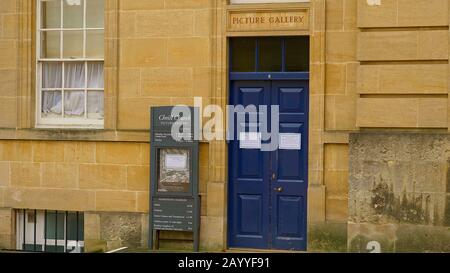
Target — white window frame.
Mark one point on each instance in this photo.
(63, 122)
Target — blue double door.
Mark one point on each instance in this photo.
(268, 189)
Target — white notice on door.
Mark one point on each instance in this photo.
(250, 140)
(290, 141)
(176, 162)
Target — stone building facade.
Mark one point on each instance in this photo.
(378, 117)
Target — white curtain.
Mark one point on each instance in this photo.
(74, 77)
(95, 99)
(51, 78)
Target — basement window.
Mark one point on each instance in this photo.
(49, 231)
(70, 63)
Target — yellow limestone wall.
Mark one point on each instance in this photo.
(373, 67)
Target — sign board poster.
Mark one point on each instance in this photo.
(174, 170)
(174, 198)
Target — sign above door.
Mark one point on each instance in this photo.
(268, 20)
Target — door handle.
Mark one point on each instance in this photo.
(279, 189)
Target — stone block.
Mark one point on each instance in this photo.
(134, 113)
(335, 15)
(6, 221)
(118, 153)
(8, 111)
(138, 178)
(215, 199)
(143, 202)
(104, 177)
(25, 174)
(212, 233)
(403, 79)
(189, 51)
(166, 82)
(129, 83)
(118, 201)
(79, 152)
(341, 46)
(60, 175)
(188, 4)
(202, 22)
(143, 52)
(50, 199)
(48, 151)
(316, 203)
(422, 13)
(91, 226)
(8, 58)
(403, 45)
(142, 4)
(165, 23)
(8, 82)
(384, 15)
(337, 209)
(124, 228)
(4, 174)
(336, 78)
(15, 151)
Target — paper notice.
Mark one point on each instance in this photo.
(176, 162)
(250, 140)
(290, 141)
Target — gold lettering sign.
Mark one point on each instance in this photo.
(297, 19)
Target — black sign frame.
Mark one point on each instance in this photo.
(173, 210)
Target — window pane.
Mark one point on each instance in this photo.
(94, 44)
(51, 14)
(55, 230)
(95, 75)
(95, 104)
(50, 44)
(51, 104)
(73, 44)
(73, 13)
(74, 103)
(51, 75)
(297, 54)
(74, 75)
(243, 55)
(72, 227)
(94, 14)
(81, 226)
(270, 54)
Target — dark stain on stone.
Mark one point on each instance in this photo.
(327, 237)
(447, 212)
(448, 176)
(447, 203)
(404, 209)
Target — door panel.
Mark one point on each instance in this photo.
(267, 190)
(289, 188)
(248, 188)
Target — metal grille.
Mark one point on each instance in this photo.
(49, 231)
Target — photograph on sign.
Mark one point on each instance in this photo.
(290, 141)
(250, 140)
(174, 170)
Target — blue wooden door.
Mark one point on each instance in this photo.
(267, 190)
